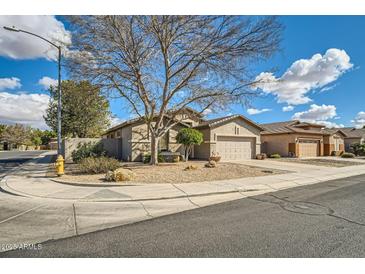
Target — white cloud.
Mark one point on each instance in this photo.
(327, 88)
(329, 124)
(253, 111)
(46, 82)
(288, 108)
(9, 83)
(23, 108)
(359, 120)
(316, 112)
(305, 75)
(319, 115)
(19, 45)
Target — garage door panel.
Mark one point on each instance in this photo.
(308, 148)
(234, 148)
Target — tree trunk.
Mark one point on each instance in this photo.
(154, 150)
(187, 148)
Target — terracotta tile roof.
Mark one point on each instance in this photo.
(354, 132)
(330, 131)
(217, 121)
(279, 127)
(140, 119)
(295, 126)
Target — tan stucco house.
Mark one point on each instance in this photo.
(301, 139)
(233, 137)
(353, 136)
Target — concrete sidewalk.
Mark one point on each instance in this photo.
(39, 209)
(31, 182)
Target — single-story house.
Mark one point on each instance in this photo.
(353, 136)
(233, 137)
(301, 139)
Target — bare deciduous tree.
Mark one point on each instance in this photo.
(162, 64)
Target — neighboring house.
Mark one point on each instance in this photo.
(353, 136)
(301, 139)
(234, 137)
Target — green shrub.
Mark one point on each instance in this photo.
(189, 137)
(147, 158)
(348, 155)
(87, 150)
(358, 149)
(98, 165)
(275, 155)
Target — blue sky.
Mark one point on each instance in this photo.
(333, 95)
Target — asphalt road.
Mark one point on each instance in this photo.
(321, 220)
(11, 159)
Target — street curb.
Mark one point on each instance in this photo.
(237, 190)
(90, 184)
(241, 191)
(234, 189)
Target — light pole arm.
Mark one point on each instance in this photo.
(44, 39)
(59, 106)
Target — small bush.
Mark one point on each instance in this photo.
(348, 155)
(87, 150)
(147, 158)
(98, 165)
(275, 155)
(358, 149)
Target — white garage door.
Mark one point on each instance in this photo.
(308, 148)
(235, 148)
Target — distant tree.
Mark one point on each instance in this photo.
(36, 140)
(2, 129)
(189, 137)
(17, 134)
(47, 135)
(161, 64)
(85, 111)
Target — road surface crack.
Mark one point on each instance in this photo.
(74, 217)
(304, 207)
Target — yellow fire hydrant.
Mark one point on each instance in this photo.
(59, 165)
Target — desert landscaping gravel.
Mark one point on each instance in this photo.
(175, 173)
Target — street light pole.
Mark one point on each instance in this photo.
(59, 105)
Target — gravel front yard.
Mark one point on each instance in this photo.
(175, 173)
(319, 162)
